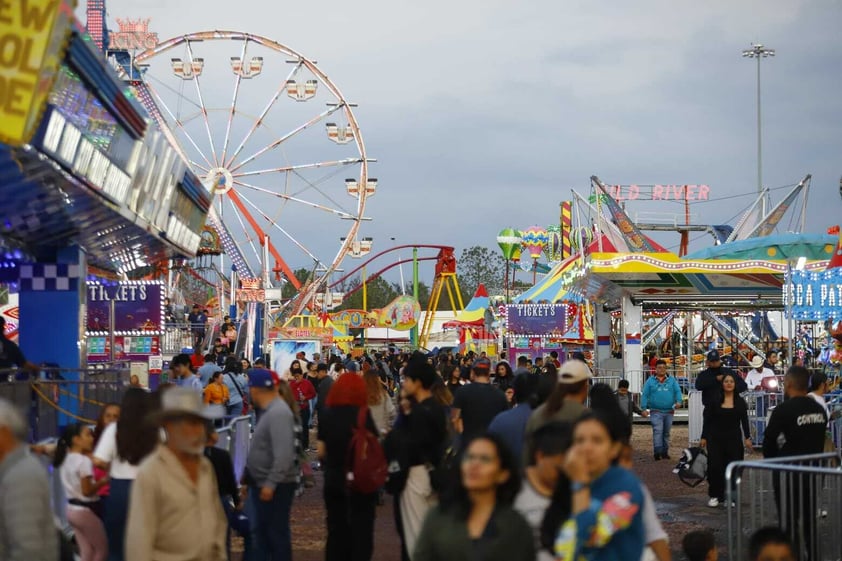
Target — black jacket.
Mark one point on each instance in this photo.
(711, 388)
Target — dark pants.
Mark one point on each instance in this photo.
(116, 515)
(722, 450)
(272, 532)
(396, 508)
(305, 428)
(796, 499)
(350, 525)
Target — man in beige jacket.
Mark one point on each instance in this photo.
(175, 511)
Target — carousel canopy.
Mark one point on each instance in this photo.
(781, 247)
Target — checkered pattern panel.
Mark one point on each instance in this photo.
(49, 277)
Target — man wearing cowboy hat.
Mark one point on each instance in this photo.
(755, 376)
(175, 511)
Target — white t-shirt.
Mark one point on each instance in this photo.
(652, 528)
(532, 505)
(754, 378)
(106, 450)
(73, 469)
(821, 401)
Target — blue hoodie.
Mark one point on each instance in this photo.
(660, 396)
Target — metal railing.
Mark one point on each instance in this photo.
(800, 494)
(236, 439)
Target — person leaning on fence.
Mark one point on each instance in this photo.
(725, 434)
(799, 422)
(661, 395)
(27, 530)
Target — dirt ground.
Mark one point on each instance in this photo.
(680, 508)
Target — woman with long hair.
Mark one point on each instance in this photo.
(350, 515)
(379, 402)
(476, 519)
(503, 376)
(80, 487)
(121, 448)
(725, 434)
(109, 413)
(596, 509)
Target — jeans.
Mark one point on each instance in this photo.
(235, 410)
(116, 515)
(661, 425)
(305, 428)
(271, 523)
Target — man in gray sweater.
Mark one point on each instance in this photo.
(27, 530)
(272, 469)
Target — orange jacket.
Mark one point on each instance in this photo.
(216, 394)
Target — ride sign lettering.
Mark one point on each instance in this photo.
(31, 36)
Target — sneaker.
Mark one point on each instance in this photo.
(713, 502)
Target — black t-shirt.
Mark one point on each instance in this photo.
(10, 354)
(427, 428)
(478, 405)
(802, 422)
(336, 426)
(224, 469)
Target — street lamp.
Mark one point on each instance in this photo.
(758, 51)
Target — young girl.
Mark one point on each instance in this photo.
(76, 473)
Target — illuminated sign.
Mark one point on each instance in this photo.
(814, 296)
(137, 307)
(32, 35)
(658, 192)
(354, 319)
(251, 295)
(537, 319)
(134, 35)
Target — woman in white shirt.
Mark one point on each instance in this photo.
(76, 473)
(121, 448)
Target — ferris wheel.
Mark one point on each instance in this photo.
(274, 137)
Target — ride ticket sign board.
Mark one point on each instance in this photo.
(536, 319)
(136, 306)
(32, 36)
(814, 295)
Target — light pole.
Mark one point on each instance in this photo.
(758, 51)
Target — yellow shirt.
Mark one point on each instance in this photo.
(216, 394)
(171, 518)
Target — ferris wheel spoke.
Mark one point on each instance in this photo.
(286, 169)
(286, 137)
(237, 82)
(179, 124)
(202, 104)
(275, 225)
(262, 116)
(249, 239)
(340, 213)
(197, 165)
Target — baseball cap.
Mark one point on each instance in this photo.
(352, 366)
(757, 361)
(482, 364)
(574, 371)
(260, 378)
(713, 356)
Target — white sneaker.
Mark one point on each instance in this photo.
(713, 502)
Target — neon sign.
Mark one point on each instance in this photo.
(659, 192)
(134, 35)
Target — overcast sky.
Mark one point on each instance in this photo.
(484, 115)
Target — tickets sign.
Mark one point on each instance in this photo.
(32, 36)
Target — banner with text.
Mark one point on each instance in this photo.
(137, 307)
(537, 319)
(814, 296)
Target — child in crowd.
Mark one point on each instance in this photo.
(700, 546)
(770, 544)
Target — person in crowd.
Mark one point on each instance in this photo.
(758, 373)
(229, 333)
(709, 381)
(539, 365)
(379, 402)
(700, 545)
(245, 364)
(286, 393)
(182, 370)
(818, 388)
(550, 444)
(175, 511)
(350, 515)
(216, 393)
(453, 376)
(313, 378)
(120, 450)
(522, 366)
(110, 413)
(196, 359)
(596, 511)
(770, 544)
(799, 422)
(207, 370)
(725, 434)
(554, 359)
(323, 389)
(476, 405)
(773, 360)
(476, 519)
(76, 471)
(567, 401)
(303, 391)
(655, 537)
(237, 385)
(27, 531)
(661, 396)
(510, 425)
(503, 376)
(426, 434)
(272, 469)
(198, 324)
(626, 401)
(10, 354)
(226, 483)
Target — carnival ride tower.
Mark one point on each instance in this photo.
(96, 24)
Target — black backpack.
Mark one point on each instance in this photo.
(692, 468)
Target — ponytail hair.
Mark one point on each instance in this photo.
(65, 442)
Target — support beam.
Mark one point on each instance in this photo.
(632, 349)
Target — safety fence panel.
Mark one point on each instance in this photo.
(760, 405)
(612, 381)
(800, 494)
(236, 439)
(695, 416)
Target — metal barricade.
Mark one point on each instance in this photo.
(695, 417)
(612, 381)
(759, 406)
(800, 494)
(235, 438)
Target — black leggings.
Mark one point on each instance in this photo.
(722, 450)
(350, 524)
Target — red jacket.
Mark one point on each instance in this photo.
(303, 391)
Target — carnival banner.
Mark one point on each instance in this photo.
(537, 319)
(814, 296)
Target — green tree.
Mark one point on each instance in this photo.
(378, 291)
(303, 275)
(480, 265)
